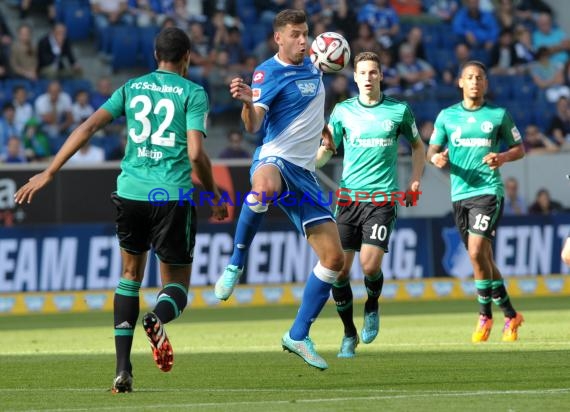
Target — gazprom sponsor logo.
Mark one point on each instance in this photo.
(442, 289)
(272, 295)
(528, 286)
(34, 303)
(64, 302)
(415, 290)
(95, 301)
(297, 292)
(554, 285)
(390, 290)
(7, 304)
(244, 295)
(468, 287)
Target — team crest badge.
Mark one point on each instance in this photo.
(487, 126)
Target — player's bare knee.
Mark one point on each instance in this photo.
(370, 270)
(565, 255)
(343, 275)
(333, 261)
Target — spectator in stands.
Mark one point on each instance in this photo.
(4, 64)
(5, 33)
(88, 154)
(553, 38)
(268, 9)
(248, 69)
(506, 15)
(417, 75)
(36, 143)
(219, 77)
(547, 75)
(365, 40)
(523, 46)
(443, 9)
(560, 123)
(266, 49)
(535, 142)
(414, 38)
(514, 204)
(338, 92)
(146, 12)
(504, 59)
(451, 71)
(477, 28)
(391, 83)
(544, 205)
(234, 149)
(53, 108)
(102, 92)
(180, 13)
(25, 6)
(81, 108)
(201, 53)
(236, 52)
(383, 20)
(529, 10)
(24, 54)
(23, 109)
(8, 127)
(107, 13)
(340, 17)
(56, 59)
(14, 151)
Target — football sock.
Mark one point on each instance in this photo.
(374, 290)
(316, 293)
(342, 295)
(249, 220)
(171, 301)
(126, 313)
(484, 297)
(501, 298)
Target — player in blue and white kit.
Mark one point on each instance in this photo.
(286, 99)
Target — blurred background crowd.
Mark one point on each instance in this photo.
(61, 59)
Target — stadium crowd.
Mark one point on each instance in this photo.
(44, 94)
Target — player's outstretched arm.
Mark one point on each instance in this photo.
(251, 115)
(73, 143)
(436, 156)
(203, 167)
(418, 164)
(496, 160)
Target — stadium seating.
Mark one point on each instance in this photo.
(146, 46)
(124, 47)
(76, 15)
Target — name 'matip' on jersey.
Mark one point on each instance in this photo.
(293, 97)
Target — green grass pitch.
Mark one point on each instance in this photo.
(230, 359)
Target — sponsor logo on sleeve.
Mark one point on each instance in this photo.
(516, 134)
(256, 94)
(258, 77)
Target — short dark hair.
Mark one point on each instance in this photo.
(171, 45)
(475, 63)
(289, 16)
(367, 56)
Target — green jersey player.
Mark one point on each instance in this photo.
(369, 126)
(166, 122)
(473, 131)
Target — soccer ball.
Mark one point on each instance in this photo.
(330, 52)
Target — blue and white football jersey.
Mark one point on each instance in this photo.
(293, 97)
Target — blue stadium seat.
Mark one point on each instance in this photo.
(521, 113)
(76, 15)
(146, 46)
(542, 113)
(500, 89)
(72, 86)
(523, 88)
(124, 47)
(9, 85)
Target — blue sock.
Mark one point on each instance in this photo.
(247, 226)
(315, 296)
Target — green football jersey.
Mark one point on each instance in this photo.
(160, 107)
(470, 135)
(370, 138)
